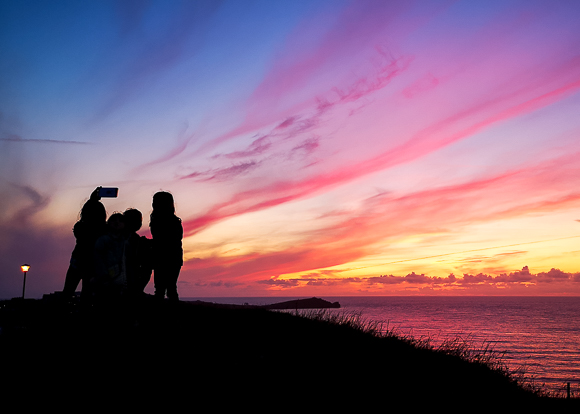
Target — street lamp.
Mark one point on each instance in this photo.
(25, 268)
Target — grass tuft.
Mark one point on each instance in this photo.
(464, 348)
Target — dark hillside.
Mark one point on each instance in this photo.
(186, 354)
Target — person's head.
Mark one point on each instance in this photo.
(133, 219)
(93, 212)
(116, 223)
(163, 203)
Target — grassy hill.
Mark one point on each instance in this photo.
(185, 355)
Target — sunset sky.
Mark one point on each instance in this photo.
(314, 148)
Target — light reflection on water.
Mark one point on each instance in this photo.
(540, 333)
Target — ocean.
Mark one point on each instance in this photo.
(541, 334)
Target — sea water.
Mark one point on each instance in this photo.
(539, 334)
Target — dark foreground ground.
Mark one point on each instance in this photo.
(197, 358)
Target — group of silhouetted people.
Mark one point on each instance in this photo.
(115, 263)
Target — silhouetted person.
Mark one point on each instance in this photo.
(110, 280)
(91, 226)
(167, 233)
(139, 263)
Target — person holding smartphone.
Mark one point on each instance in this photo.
(167, 235)
(91, 225)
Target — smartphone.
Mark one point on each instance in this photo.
(108, 192)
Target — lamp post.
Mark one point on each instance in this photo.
(25, 268)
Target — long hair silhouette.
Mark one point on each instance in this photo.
(167, 234)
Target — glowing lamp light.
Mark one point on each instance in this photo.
(25, 268)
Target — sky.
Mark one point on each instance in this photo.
(313, 148)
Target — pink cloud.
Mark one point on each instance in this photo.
(307, 69)
(556, 275)
(518, 278)
(422, 85)
(227, 173)
(257, 147)
(465, 120)
(460, 125)
(386, 215)
(519, 282)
